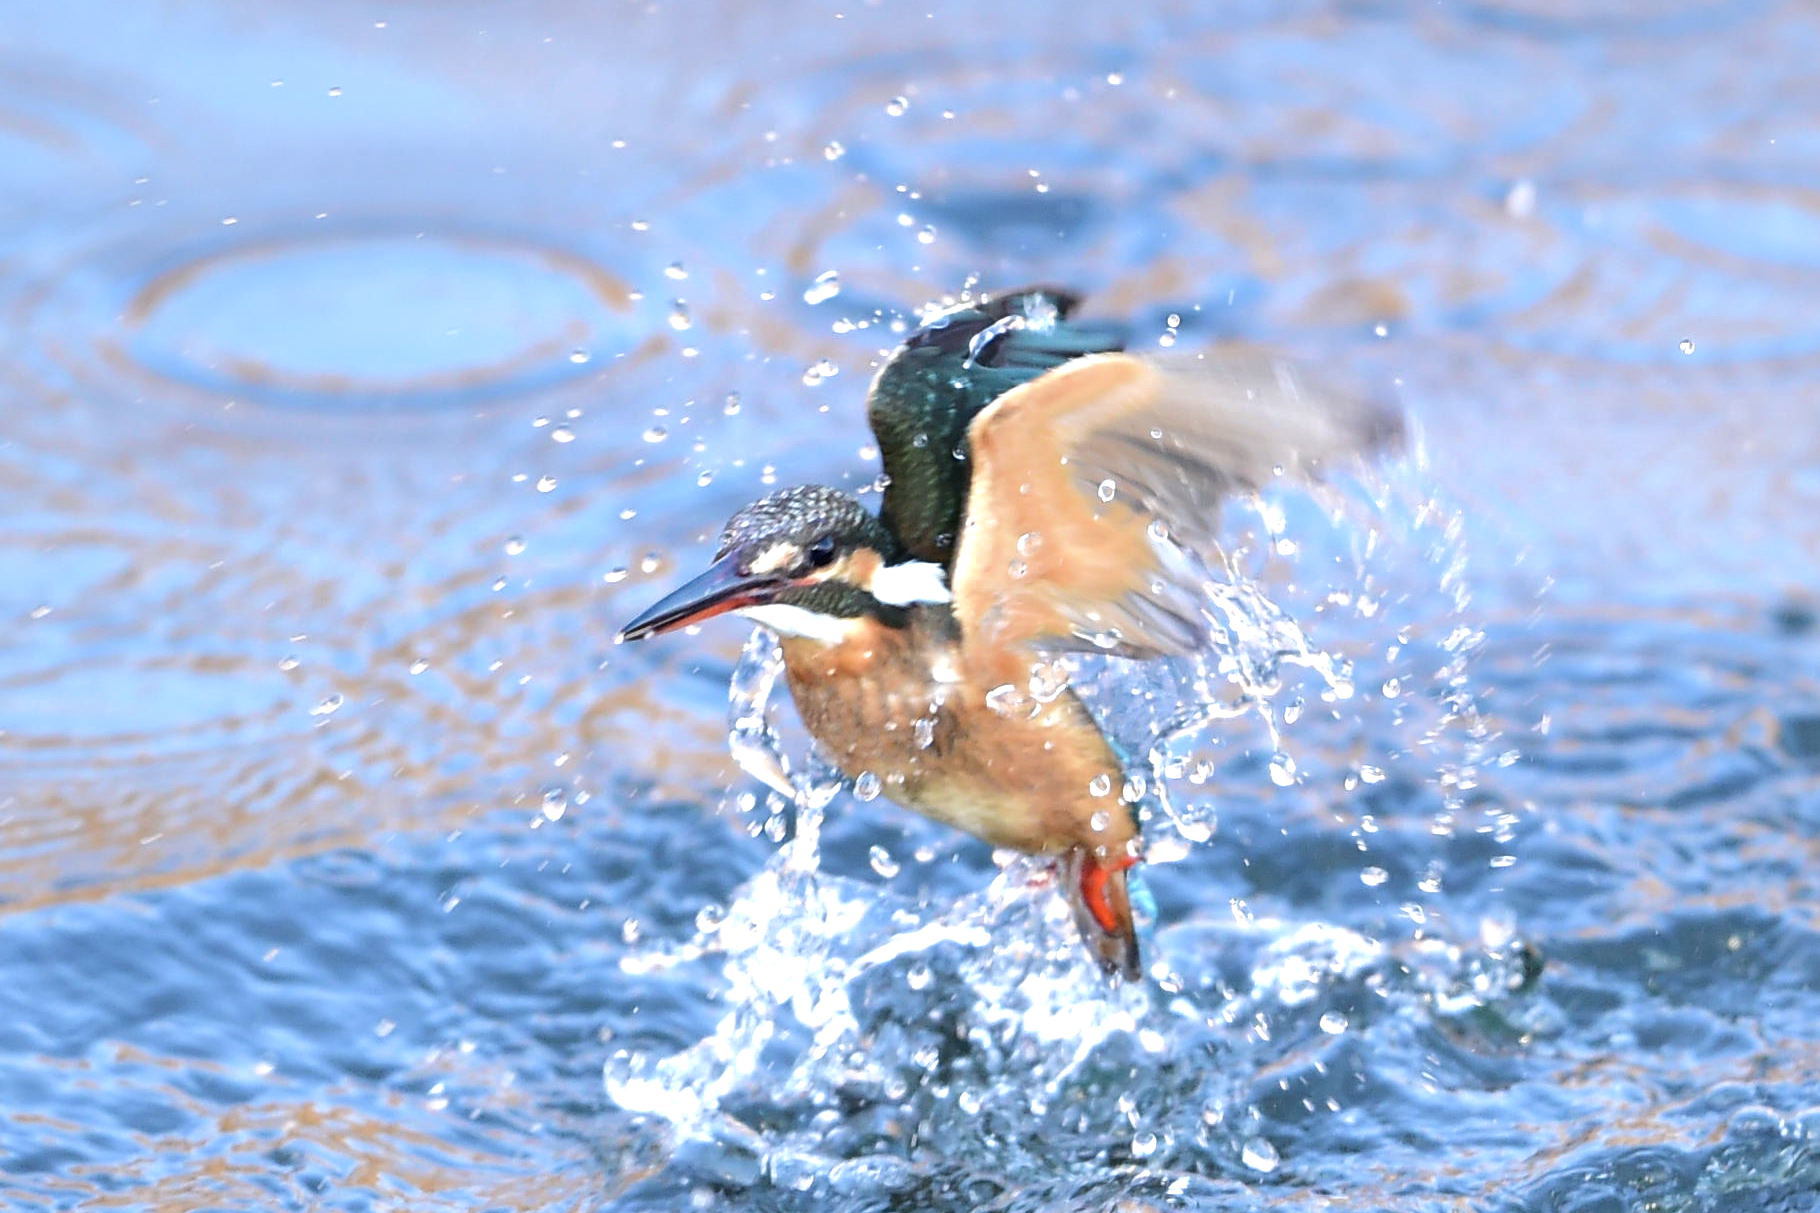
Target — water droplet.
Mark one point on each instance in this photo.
(882, 863)
(656, 434)
(970, 1102)
(818, 371)
(833, 150)
(709, 918)
(825, 287)
(288, 663)
(1100, 820)
(418, 666)
(926, 235)
(555, 803)
(1282, 770)
(1260, 1155)
(731, 407)
(335, 91)
(1333, 1023)
(679, 316)
(1048, 679)
(1520, 199)
(924, 729)
(579, 357)
(546, 484)
(675, 271)
(1109, 489)
(1373, 876)
(866, 787)
(1101, 785)
(1687, 345)
(896, 106)
(327, 706)
(918, 977)
(1143, 1145)
(1029, 542)
(562, 434)
(1004, 699)
(615, 575)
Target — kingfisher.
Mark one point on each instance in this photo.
(1045, 491)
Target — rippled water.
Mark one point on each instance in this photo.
(365, 366)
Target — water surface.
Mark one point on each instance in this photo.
(365, 366)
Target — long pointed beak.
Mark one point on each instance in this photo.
(721, 589)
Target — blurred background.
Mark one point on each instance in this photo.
(365, 365)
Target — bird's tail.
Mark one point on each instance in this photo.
(1099, 894)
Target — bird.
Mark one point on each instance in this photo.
(1045, 492)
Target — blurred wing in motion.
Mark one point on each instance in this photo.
(1089, 481)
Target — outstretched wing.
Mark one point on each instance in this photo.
(1089, 481)
(934, 384)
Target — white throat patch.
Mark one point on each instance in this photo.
(911, 582)
(789, 620)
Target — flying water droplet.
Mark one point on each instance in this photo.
(1101, 785)
(555, 803)
(327, 706)
(562, 434)
(1109, 489)
(1333, 1023)
(546, 484)
(818, 371)
(896, 106)
(1687, 345)
(866, 787)
(1282, 770)
(680, 319)
(825, 287)
(882, 863)
(1260, 1155)
(1005, 699)
(1373, 876)
(833, 150)
(675, 271)
(1099, 821)
(656, 434)
(1048, 679)
(515, 546)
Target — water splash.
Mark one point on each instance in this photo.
(861, 1019)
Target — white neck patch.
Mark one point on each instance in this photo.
(911, 582)
(789, 620)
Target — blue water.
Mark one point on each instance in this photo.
(362, 368)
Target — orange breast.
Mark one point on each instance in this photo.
(895, 703)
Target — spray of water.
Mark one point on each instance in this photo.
(859, 1019)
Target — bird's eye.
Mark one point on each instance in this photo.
(821, 553)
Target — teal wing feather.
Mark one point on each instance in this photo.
(945, 373)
